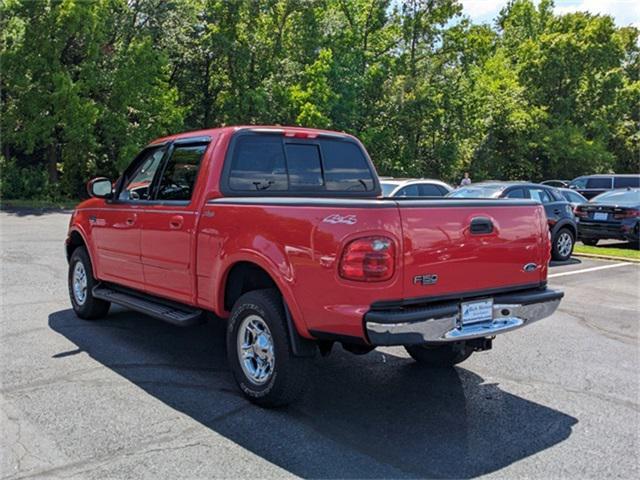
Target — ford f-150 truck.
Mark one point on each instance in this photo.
(283, 232)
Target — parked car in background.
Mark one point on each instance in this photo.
(614, 214)
(408, 187)
(561, 220)
(591, 185)
(573, 197)
(556, 183)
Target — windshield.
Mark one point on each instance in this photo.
(387, 188)
(618, 197)
(478, 191)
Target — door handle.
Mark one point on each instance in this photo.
(176, 222)
(131, 220)
(480, 225)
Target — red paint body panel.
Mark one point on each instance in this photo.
(185, 252)
(438, 241)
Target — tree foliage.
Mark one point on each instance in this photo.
(85, 84)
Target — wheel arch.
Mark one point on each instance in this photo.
(247, 273)
(75, 239)
(565, 223)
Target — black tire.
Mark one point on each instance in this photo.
(592, 242)
(441, 356)
(288, 378)
(91, 308)
(564, 234)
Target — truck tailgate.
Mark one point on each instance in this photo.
(463, 246)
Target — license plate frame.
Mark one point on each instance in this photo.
(476, 311)
(600, 216)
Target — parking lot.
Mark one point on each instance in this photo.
(132, 397)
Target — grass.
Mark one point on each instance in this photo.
(622, 251)
(39, 204)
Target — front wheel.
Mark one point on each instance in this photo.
(563, 245)
(259, 351)
(81, 283)
(441, 356)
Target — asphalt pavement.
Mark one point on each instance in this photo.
(132, 397)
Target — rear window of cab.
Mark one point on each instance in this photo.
(271, 164)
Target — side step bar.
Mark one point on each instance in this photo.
(171, 312)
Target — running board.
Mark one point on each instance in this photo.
(170, 312)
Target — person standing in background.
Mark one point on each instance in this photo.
(466, 180)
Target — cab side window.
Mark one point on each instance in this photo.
(138, 185)
(180, 173)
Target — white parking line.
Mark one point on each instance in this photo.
(592, 269)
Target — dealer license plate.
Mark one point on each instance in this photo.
(475, 312)
(600, 216)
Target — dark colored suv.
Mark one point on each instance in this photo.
(591, 185)
(562, 222)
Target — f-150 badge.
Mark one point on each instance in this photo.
(428, 279)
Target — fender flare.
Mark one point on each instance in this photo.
(565, 223)
(75, 228)
(291, 306)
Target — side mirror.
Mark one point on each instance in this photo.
(100, 187)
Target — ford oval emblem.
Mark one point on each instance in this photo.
(530, 267)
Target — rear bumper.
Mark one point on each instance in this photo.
(617, 230)
(441, 323)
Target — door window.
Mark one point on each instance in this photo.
(138, 187)
(180, 173)
(409, 191)
(431, 190)
(540, 195)
(516, 193)
(599, 183)
(625, 182)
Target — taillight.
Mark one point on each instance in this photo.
(627, 214)
(368, 259)
(580, 213)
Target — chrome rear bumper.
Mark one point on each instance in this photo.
(442, 324)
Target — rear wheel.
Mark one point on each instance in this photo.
(81, 282)
(441, 356)
(259, 351)
(592, 242)
(563, 244)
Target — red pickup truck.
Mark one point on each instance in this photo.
(283, 232)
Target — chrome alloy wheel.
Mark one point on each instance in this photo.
(565, 244)
(79, 282)
(256, 349)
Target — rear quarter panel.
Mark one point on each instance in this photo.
(299, 245)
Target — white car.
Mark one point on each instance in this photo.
(422, 187)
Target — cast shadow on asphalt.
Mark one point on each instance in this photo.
(371, 416)
(34, 212)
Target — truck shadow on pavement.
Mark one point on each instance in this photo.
(372, 416)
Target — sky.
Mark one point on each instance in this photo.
(625, 12)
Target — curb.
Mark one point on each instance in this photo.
(605, 257)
